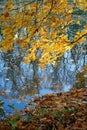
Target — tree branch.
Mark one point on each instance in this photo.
(79, 38)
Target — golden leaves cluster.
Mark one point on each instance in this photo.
(9, 6)
(81, 3)
(46, 24)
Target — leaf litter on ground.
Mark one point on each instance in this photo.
(61, 111)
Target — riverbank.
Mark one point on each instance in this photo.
(61, 111)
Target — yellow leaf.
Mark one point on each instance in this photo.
(42, 66)
(78, 22)
(27, 59)
(9, 6)
(85, 27)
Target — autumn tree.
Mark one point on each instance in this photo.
(39, 27)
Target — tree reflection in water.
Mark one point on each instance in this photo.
(18, 79)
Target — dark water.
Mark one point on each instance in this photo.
(19, 82)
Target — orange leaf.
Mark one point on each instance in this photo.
(6, 15)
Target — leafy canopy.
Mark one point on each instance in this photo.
(40, 28)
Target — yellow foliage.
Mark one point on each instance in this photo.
(81, 3)
(46, 25)
(78, 22)
(27, 59)
(9, 6)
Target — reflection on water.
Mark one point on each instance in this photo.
(19, 81)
